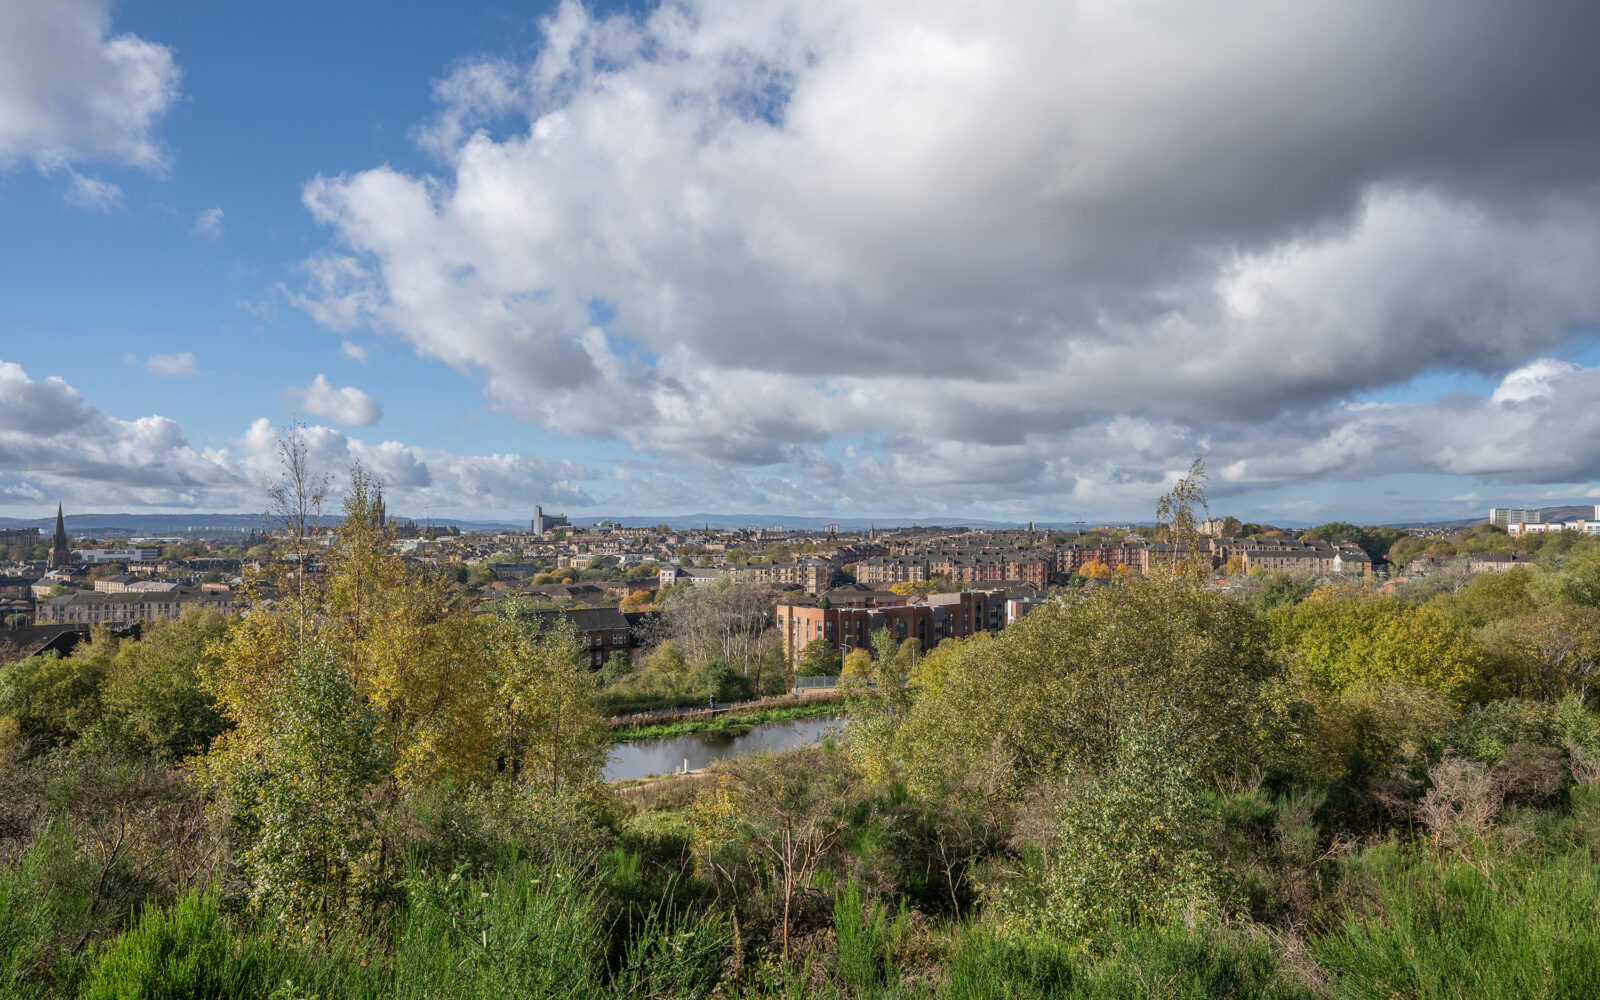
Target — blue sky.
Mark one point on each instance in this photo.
(902, 260)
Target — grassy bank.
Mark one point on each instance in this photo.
(730, 722)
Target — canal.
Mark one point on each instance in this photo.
(664, 756)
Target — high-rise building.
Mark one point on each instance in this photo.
(1505, 517)
(543, 522)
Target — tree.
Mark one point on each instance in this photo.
(549, 729)
(820, 657)
(1557, 650)
(1342, 638)
(294, 507)
(49, 701)
(641, 600)
(877, 711)
(1054, 691)
(1094, 569)
(1488, 598)
(1178, 523)
(1127, 849)
(343, 702)
(153, 701)
(857, 668)
(1281, 588)
(722, 620)
(1375, 541)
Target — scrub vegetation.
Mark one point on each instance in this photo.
(363, 788)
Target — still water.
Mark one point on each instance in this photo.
(642, 757)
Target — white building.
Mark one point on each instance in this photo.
(1505, 517)
(138, 553)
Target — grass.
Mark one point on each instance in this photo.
(1445, 928)
(1436, 928)
(730, 722)
(1167, 962)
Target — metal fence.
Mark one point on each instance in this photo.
(816, 682)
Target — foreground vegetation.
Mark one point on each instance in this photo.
(364, 789)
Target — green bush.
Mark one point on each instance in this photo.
(182, 953)
(1128, 849)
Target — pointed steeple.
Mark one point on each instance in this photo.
(60, 546)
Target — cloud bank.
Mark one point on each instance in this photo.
(54, 447)
(997, 252)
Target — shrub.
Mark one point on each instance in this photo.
(1127, 851)
(179, 953)
(1463, 803)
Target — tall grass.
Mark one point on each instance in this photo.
(1449, 929)
(1161, 962)
(521, 931)
(26, 919)
(862, 933)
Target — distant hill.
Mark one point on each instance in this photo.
(1573, 513)
(1569, 512)
(95, 525)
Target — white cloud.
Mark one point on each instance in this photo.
(55, 447)
(346, 405)
(71, 90)
(970, 238)
(208, 224)
(1532, 381)
(51, 440)
(88, 193)
(353, 351)
(179, 365)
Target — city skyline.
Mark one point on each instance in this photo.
(821, 260)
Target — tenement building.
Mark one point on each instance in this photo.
(104, 609)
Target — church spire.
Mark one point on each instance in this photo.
(60, 546)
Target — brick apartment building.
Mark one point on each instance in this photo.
(850, 621)
(850, 628)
